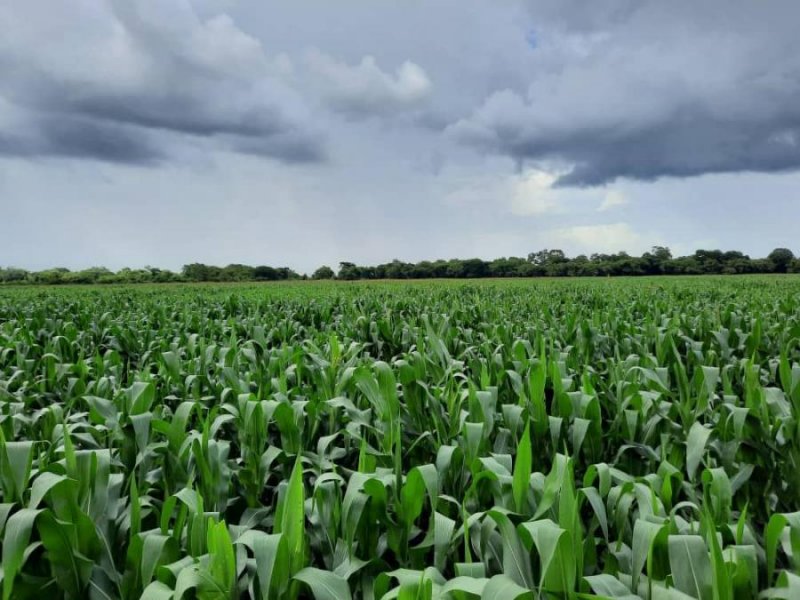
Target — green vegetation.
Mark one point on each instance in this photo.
(560, 439)
(545, 263)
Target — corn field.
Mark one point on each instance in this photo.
(442, 440)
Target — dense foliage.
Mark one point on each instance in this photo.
(194, 272)
(517, 439)
(545, 263)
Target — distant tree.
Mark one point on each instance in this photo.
(160, 275)
(398, 270)
(661, 253)
(781, 258)
(439, 268)
(237, 272)
(91, 275)
(762, 265)
(348, 270)
(526, 269)
(547, 257)
(265, 273)
(377, 272)
(423, 270)
(455, 268)
(51, 276)
(324, 272)
(544, 263)
(653, 262)
(285, 273)
(503, 267)
(475, 267)
(709, 261)
(12, 274)
(198, 272)
(731, 255)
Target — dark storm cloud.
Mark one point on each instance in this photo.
(186, 114)
(292, 147)
(684, 149)
(144, 75)
(634, 89)
(652, 89)
(70, 137)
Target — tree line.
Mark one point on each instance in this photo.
(544, 263)
(195, 272)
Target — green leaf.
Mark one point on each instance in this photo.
(324, 584)
(720, 577)
(140, 397)
(222, 565)
(474, 586)
(599, 508)
(522, 470)
(695, 446)
(646, 535)
(552, 485)
(15, 542)
(608, 586)
(516, 561)
(556, 555)
(135, 508)
(19, 457)
(272, 561)
(43, 484)
(787, 587)
(690, 565)
(290, 518)
(775, 528)
(501, 587)
(60, 540)
(156, 550)
(156, 591)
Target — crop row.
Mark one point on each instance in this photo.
(603, 439)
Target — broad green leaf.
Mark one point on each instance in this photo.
(690, 565)
(290, 519)
(608, 586)
(556, 555)
(646, 535)
(15, 542)
(522, 470)
(19, 459)
(157, 591)
(695, 446)
(516, 561)
(272, 561)
(324, 584)
(502, 587)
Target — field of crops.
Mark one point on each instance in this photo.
(500, 440)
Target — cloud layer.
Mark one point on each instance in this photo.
(133, 81)
(655, 89)
(641, 91)
(168, 131)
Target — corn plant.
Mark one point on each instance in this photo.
(539, 439)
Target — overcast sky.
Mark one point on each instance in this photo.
(302, 133)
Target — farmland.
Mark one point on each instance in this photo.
(619, 438)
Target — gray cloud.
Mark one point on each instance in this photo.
(67, 136)
(364, 89)
(131, 76)
(652, 90)
(137, 76)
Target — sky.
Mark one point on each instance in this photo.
(164, 132)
